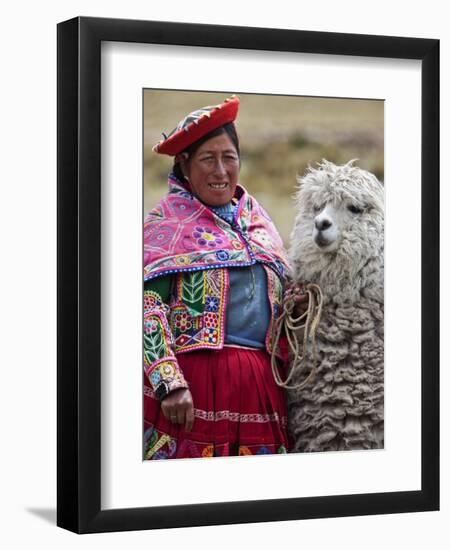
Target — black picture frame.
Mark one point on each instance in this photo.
(79, 276)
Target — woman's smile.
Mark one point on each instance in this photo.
(218, 185)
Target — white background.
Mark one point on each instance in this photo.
(28, 300)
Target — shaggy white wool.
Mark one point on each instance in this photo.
(337, 242)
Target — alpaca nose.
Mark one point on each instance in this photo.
(322, 224)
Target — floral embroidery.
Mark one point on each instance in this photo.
(167, 371)
(196, 318)
(197, 309)
(183, 321)
(212, 303)
(155, 378)
(222, 255)
(183, 206)
(207, 237)
(184, 233)
(160, 365)
(262, 237)
(183, 236)
(150, 325)
(211, 320)
(182, 260)
(152, 299)
(211, 335)
(160, 235)
(237, 244)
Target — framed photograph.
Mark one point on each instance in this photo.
(146, 103)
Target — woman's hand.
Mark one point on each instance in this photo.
(301, 298)
(178, 408)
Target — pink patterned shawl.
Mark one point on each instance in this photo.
(183, 234)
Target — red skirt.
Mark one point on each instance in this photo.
(238, 408)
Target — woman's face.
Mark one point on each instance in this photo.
(213, 171)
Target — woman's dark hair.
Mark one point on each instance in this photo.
(228, 128)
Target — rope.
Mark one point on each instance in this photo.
(309, 321)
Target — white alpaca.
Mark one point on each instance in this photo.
(337, 242)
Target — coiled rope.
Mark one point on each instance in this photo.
(308, 321)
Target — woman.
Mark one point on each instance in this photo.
(214, 268)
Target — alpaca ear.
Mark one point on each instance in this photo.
(375, 178)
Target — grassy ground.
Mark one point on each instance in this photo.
(279, 137)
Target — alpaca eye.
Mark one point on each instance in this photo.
(318, 207)
(354, 209)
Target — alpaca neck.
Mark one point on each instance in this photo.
(343, 279)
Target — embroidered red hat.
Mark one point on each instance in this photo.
(196, 125)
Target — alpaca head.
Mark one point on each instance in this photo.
(339, 226)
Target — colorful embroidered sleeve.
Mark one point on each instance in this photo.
(160, 364)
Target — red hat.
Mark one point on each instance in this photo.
(196, 125)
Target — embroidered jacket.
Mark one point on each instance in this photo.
(187, 248)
